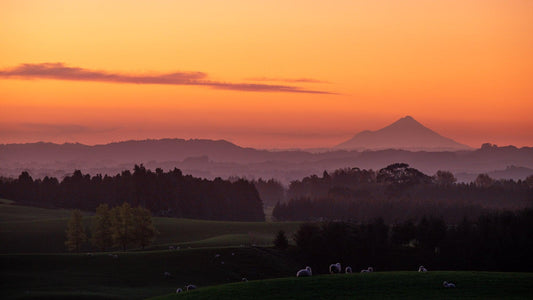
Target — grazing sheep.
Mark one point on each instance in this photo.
(348, 270)
(370, 269)
(447, 284)
(244, 279)
(189, 287)
(335, 268)
(179, 290)
(304, 272)
(364, 271)
(422, 269)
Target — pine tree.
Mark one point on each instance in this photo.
(102, 235)
(144, 231)
(122, 225)
(75, 232)
(281, 241)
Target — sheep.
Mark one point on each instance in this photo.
(179, 290)
(335, 268)
(365, 271)
(447, 284)
(189, 287)
(348, 270)
(232, 253)
(422, 269)
(244, 279)
(217, 255)
(304, 272)
(370, 269)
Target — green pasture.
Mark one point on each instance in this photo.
(378, 285)
(25, 229)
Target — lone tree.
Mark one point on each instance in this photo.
(75, 232)
(281, 242)
(122, 225)
(144, 231)
(102, 235)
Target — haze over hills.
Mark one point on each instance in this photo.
(210, 159)
(406, 134)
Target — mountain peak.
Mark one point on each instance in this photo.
(407, 134)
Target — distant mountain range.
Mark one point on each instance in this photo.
(402, 141)
(210, 159)
(406, 134)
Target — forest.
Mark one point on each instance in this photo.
(169, 193)
(398, 193)
(497, 241)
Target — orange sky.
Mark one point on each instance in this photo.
(249, 70)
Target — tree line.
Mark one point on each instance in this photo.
(399, 192)
(169, 193)
(498, 241)
(122, 226)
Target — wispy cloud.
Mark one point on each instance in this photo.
(60, 71)
(294, 80)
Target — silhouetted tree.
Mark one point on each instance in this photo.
(102, 234)
(144, 231)
(75, 232)
(123, 225)
(281, 242)
(484, 181)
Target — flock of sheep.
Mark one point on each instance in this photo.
(333, 269)
(336, 268)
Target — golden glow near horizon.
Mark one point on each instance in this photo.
(462, 68)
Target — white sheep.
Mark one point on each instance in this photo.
(422, 269)
(179, 290)
(189, 287)
(335, 268)
(370, 269)
(447, 284)
(244, 279)
(365, 271)
(304, 272)
(348, 270)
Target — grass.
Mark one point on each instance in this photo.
(25, 229)
(134, 275)
(378, 285)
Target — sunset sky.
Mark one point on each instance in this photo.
(266, 74)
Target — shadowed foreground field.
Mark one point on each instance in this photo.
(385, 285)
(134, 275)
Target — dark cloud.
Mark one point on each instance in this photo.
(60, 71)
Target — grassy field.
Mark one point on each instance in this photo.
(26, 229)
(134, 275)
(385, 285)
